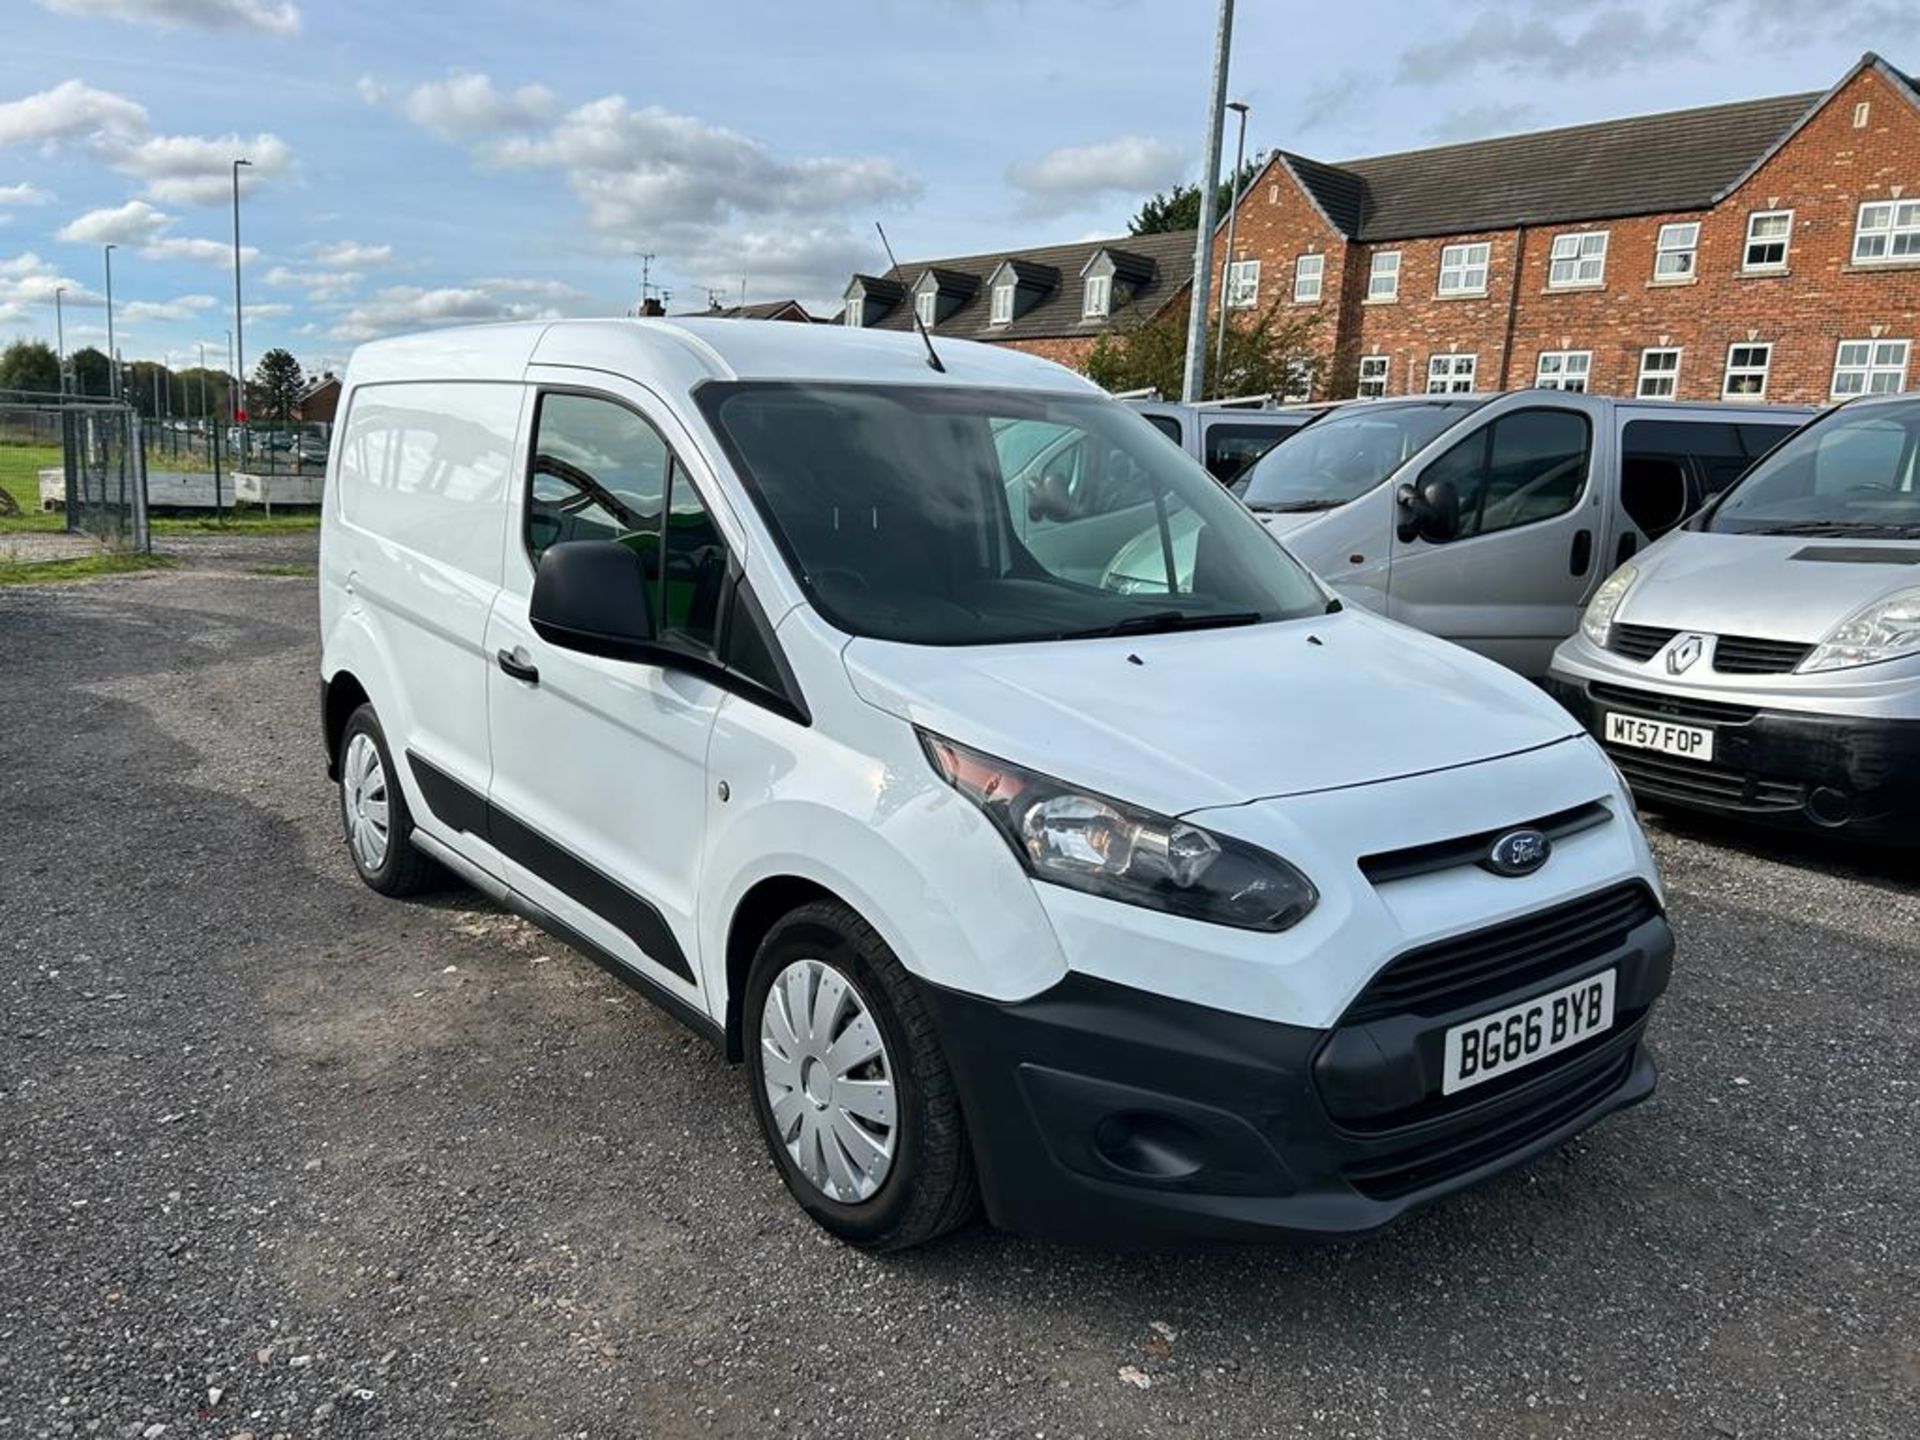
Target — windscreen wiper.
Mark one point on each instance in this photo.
(1160, 622)
(1292, 507)
(1874, 529)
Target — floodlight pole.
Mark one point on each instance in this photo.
(1239, 107)
(239, 334)
(60, 335)
(113, 354)
(1193, 380)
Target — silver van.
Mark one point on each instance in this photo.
(1491, 519)
(1227, 439)
(1765, 660)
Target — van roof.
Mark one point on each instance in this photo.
(685, 351)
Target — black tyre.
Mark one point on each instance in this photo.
(850, 1086)
(373, 813)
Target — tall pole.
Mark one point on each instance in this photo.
(1193, 381)
(113, 355)
(1239, 107)
(204, 417)
(239, 334)
(60, 334)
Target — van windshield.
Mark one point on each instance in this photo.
(1345, 455)
(939, 515)
(1851, 472)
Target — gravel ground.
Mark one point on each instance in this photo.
(279, 1156)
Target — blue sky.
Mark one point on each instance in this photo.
(422, 162)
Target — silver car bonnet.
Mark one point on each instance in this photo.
(1774, 587)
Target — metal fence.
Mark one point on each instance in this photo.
(74, 464)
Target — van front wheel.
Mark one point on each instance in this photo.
(373, 812)
(850, 1086)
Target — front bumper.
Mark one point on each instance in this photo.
(1856, 774)
(1103, 1115)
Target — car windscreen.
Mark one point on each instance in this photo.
(1851, 472)
(942, 515)
(1345, 455)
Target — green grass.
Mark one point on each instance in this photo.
(248, 523)
(87, 567)
(20, 467)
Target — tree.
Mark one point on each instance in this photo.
(201, 392)
(1179, 208)
(30, 365)
(277, 383)
(1266, 354)
(91, 374)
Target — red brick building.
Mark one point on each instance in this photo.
(1762, 250)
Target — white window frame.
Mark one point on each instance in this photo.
(1376, 272)
(1298, 382)
(926, 305)
(854, 316)
(1577, 260)
(1309, 275)
(1000, 304)
(1864, 364)
(1458, 262)
(1785, 241)
(1678, 243)
(1569, 370)
(1097, 299)
(1762, 368)
(1653, 377)
(1898, 235)
(1446, 373)
(1381, 376)
(1243, 284)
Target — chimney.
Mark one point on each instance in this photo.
(652, 307)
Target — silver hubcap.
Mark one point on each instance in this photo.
(829, 1081)
(363, 795)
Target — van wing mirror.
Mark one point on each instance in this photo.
(1429, 511)
(593, 596)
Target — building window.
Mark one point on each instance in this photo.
(1243, 284)
(1099, 296)
(1451, 374)
(1747, 367)
(1002, 308)
(924, 306)
(1578, 260)
(1299, 380)
(1383, 280)
(1463, 269)
(1659, 373)
(1888, 230)
(1861, 114)
(1675, 251)
(1307, 273)
(1373, 376)
(1869, 367)
(851, 316)
(1564, 370)
(1767, 234)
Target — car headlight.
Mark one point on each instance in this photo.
(1088, 842)
(1885, 630)
(1598, 619)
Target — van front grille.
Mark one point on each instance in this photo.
(1672, 707)
(1639, 642)
(1743, 655)
(1662, 777)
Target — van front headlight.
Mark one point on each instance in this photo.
(1598, 619)
(1887, 629)
(1105, 847)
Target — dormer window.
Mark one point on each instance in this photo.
(1098, 297)
(1002, 308)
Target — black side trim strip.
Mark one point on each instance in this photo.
(458, 805)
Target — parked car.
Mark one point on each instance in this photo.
(1765, 660)
(1226, 439)
(1490, 520)
(1223, 910)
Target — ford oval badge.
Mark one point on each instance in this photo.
(1519, 852)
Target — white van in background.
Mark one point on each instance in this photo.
(1130, 902)
(1226, 438)
(1490, 519)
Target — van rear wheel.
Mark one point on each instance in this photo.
(849, 1084)
(373, 812)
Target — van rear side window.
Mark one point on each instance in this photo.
(426, 466)
(1704, 456)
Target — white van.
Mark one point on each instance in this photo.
(1227, 439)
(1490, 519)
(1137, 908)
(1764, 662)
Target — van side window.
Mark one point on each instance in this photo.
(1232, 448)
(1526, 466)
(696, 566)
(1166, 425)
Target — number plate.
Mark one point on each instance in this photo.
(1691, 742)
(1511, 1039)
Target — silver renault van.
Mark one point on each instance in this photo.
(1765, 660)
(1490, 520)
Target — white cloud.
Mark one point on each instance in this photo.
(23, 195)
(282, 19)
(463, 107)
(411, 307)
(69, 111)
(183, 308)
(1073, 177)
(26, 281)
(352, 255)
(198, 169)
(138, 225)
(320, 285)
(371, 90)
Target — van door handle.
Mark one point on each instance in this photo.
(1582, 555)
(518, 669)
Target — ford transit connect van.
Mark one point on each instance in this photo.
(1140, 902)
(1490, 520)
(1765, 660)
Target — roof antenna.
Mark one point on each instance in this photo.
(933, 356)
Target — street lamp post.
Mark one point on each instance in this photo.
(1193, 378)
(1239, 107)
(113, 355)
(60, 335)
(239, 334)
